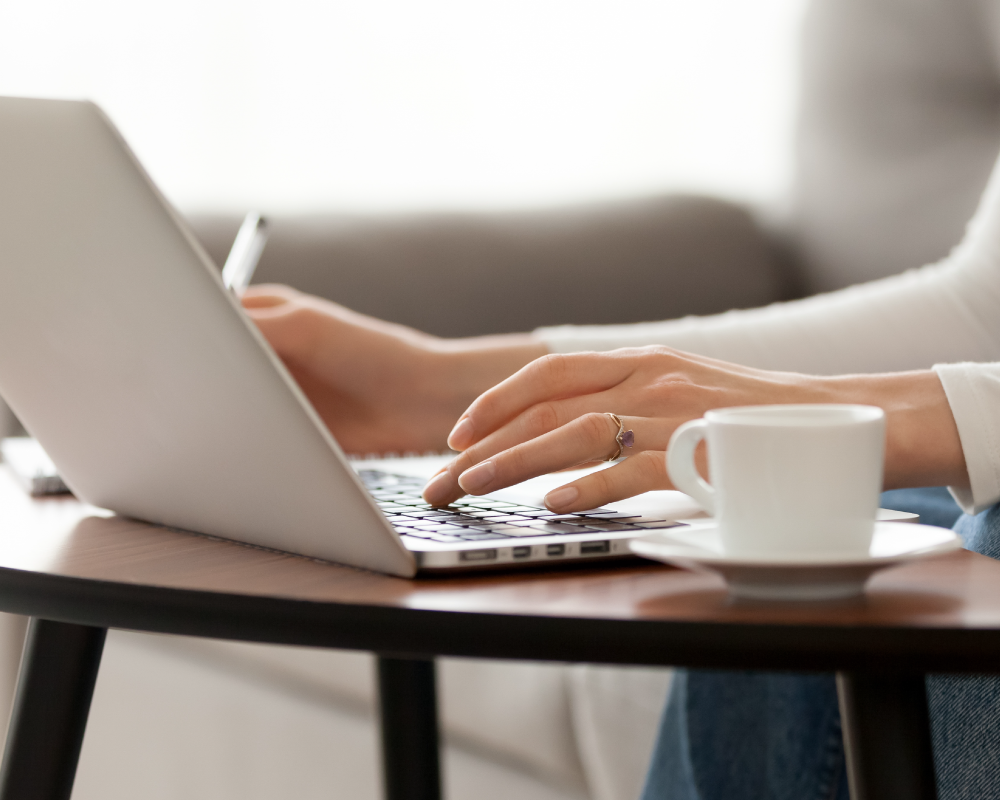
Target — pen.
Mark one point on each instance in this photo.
(245, 253)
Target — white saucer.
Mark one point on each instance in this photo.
(699, 548)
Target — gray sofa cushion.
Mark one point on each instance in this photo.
(472, 274)
(468, 274)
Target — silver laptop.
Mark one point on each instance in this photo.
(157, 398)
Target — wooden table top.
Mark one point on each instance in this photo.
(63, 560)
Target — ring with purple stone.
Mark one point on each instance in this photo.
(623, 438)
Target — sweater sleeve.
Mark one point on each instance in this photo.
(945, 313)
(973, 392)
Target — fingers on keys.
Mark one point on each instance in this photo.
(643, 472)
(543, 380)
(536, 421)
(492, 464)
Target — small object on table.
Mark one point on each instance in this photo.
(32, 466)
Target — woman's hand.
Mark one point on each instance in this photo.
(553, 414)
(380, 387)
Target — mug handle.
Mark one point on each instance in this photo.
(680, 464)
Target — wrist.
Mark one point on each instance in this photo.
(922, 445)
(468, 367)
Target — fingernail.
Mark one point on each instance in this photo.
(461, 435)
(476, 480)
(438, 488)
(560, 498)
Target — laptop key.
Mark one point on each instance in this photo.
(425, 513)
(509, 529)
(557, 527)
(464, 519)
(609, 515)
(594, 525)
(446, 528)
(450, 529)
(487, 503)
(663, 523)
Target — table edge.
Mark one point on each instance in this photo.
(474, 634)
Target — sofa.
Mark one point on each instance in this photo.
(898, 127)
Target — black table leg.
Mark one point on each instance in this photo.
(887, 735)
(410, 749)
(54, 689)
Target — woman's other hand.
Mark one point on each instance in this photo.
(378, 386)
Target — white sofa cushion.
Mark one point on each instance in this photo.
(167, 724)
(516, 713)
(616, 716)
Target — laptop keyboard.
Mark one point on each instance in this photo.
(474, 519)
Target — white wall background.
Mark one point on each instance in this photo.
(388, 104)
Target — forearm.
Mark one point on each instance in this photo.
(940, 314)
(379, 386)
(470, 366)
(923, 447)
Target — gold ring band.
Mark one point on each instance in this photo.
(623, 438)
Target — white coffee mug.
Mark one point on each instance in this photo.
(787, 481)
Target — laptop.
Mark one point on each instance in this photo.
(156, 396)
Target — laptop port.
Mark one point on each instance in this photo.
(477, 555)
(586, 548)
(521, 552)
(555, 549)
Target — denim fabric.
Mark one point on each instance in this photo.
(965, 711)
(749, 736)
(757, 736)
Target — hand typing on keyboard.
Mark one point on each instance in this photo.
(476, 519)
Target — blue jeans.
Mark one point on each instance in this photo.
(729, 735)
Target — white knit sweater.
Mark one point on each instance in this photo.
(946, 315)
